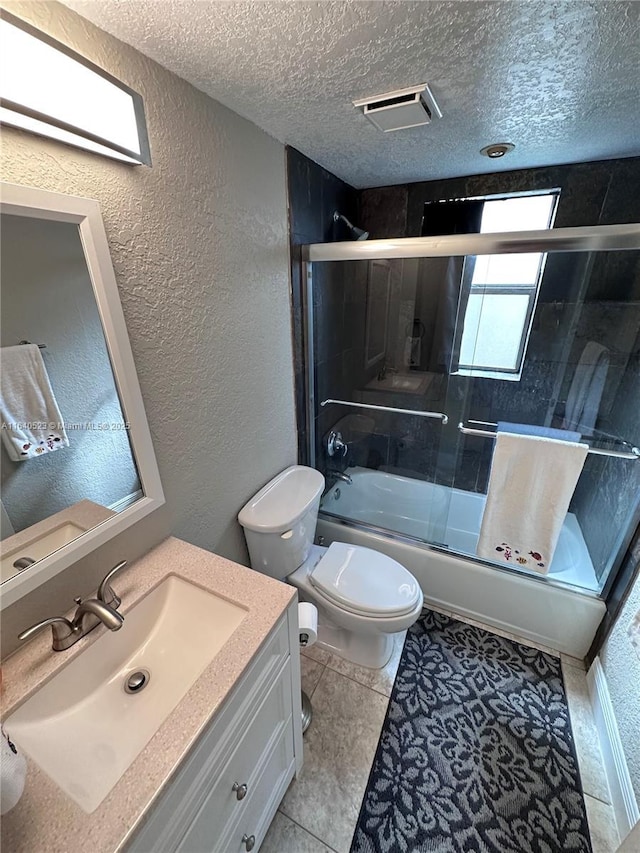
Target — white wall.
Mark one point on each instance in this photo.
(199, 245)
(621, 665)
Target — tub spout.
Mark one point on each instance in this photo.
(340, 475)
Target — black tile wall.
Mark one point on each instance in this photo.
(607, 499)
(314, 195)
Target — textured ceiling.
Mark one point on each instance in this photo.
(558, 79)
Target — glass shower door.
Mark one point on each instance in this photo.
(396, 339)
(372, 323)
(563, 356)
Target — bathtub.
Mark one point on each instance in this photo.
(393, 514)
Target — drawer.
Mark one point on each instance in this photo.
(245, 767)
(266, 679)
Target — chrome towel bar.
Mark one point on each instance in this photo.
(440, 416)
(632, 453)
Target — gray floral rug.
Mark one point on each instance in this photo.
(476, 752)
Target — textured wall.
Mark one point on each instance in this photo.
(555, 78)
(47, 298)
(622, 668)
(199, 246)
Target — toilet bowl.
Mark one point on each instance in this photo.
(363, 597)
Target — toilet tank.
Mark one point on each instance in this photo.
(280, 521)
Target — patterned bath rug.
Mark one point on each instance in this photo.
(476, 753)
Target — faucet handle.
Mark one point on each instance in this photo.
(335, 444)
(105, 591)
(61, 628)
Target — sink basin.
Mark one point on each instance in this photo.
(82, 728)
(413, 383)
(40, 547)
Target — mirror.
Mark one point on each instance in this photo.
(77, 463)
(378, 287)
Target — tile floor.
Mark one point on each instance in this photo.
(320, 809)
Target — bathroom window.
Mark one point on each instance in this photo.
(499, 292)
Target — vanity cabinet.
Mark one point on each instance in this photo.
(227, 790)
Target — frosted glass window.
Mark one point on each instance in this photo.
(506, 269)
(504, 290)
(526, 213)
(492, 335)
(48, 89)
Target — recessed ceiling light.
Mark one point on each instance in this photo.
(498, 149)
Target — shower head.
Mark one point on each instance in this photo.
(358, 233)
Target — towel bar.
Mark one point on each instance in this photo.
(632, 453)
(40, 346)
(419, 414)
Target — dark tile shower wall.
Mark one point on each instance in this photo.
(606, 310)
(314, 195)
(607, 499)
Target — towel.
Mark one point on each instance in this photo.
(587, 385)
(531, 484)
(13, 772)
(31, 420)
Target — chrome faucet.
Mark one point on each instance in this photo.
(340, 475)
(89, 613)
(384, 370)
(105, 591)
(102, 612)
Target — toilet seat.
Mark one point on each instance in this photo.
(365, 582)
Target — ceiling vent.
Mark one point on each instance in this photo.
(400, 109)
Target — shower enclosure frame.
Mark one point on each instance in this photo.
(582, 239)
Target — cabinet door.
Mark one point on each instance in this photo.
(265, 688)
(247, 830)
(246, 767)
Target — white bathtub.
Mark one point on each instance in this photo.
(547, 609)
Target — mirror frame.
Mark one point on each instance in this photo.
(85, 213)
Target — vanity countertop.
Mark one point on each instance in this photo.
(46, 819)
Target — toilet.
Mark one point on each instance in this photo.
(363, 597)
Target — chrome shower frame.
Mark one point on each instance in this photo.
(598, 238)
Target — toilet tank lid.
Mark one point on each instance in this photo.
(283, 501)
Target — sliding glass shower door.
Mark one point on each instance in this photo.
(415, 360)
(378, 413)
(572, 363)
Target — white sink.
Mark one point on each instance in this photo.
(412, 383)
(40, 547)
(82, 728)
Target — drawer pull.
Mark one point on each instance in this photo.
(249, 841)
(241, 793)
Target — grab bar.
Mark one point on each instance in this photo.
(633, 453)
(440, 416)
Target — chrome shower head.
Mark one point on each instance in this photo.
(358, 233)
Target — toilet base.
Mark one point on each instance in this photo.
(370, 650)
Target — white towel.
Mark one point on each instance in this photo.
(31, 420)
(531, 483)
(13, 772)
